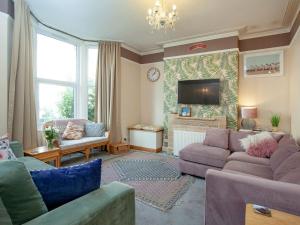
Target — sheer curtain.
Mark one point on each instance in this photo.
(108, 88)
(22, 124)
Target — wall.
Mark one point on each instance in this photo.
(269, 94)
(6, 29)
(151, 102)
(130, 95)
(294, 72)
(221, 65)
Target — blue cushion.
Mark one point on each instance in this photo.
(59, 186)
(94, 130)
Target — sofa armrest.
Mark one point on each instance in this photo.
(112, 204)
(227, 195)
(17, 148)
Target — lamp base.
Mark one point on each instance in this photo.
(248, 124)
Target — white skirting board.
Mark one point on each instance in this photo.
(183, 138)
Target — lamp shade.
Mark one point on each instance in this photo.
(248, 112)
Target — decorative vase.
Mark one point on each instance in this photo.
(274, 129)
(50, 144)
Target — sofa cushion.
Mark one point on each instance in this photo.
(287, 165)
(287, 140)
(4, 216)
(281, 154)
(5, 151)
(62, 124)
(234, 140)
(73, 131)
(65, 144)
(217, 137)
(34, 164)
(59, 186)
(250, 168)
(94, 130)
(204, 154)
(292, 177)
(244, 157)
(20, 196)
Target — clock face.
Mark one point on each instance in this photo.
(153, 74)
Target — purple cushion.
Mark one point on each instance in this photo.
(234, 140)
(287, 140)
(250, 168)
(204, 154)
(292, 177)
(281, 154)
(277, 136)
(217, 137)
(287, 165)
(244, 157)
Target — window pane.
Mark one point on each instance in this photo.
(55, 102)
(56, 60)
(91, 103)
(92, 65)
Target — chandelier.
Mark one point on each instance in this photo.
(158, 17)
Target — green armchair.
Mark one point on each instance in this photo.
(112, 204)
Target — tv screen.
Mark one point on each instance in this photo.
(204, 92)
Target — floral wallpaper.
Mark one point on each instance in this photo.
(223, 66)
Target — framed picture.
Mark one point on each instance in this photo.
(186, 111)
(263, 64)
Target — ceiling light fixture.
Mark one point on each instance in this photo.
(158, 17)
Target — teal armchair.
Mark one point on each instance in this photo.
(112, 204)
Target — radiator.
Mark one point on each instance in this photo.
(183, 138)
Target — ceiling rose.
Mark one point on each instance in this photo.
(159, 18)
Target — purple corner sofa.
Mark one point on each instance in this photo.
(233, 178)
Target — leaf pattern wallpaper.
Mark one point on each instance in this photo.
(223, 66)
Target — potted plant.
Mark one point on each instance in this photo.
(275, 120)
(51, 134)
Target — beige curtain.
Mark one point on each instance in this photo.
(108, 88)
(22, 124)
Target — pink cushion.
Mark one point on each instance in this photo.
(217, 137)
(234, 140)
(260, 145)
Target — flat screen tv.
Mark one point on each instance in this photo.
(203, 92)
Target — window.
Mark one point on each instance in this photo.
(92, 67)
(56, 79)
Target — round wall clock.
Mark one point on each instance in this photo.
(153, 74)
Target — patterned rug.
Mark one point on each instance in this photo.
(155, 177)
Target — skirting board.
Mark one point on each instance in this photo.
(145, 149)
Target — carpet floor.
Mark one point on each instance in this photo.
(188, 210)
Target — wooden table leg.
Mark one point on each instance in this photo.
(57, 162)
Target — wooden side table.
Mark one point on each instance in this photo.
(277, 218)
(118, 148)
(44, 154)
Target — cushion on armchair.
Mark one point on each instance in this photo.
(19, 195)
(59, 186)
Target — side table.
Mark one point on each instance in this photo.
(45, 154)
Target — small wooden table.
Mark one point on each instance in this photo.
(277, 218)
(44, 154)
(118, 148)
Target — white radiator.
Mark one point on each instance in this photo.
(183, 138)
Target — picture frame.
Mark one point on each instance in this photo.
(186, 111)
(263, 64)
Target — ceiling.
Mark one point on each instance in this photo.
(124, 20)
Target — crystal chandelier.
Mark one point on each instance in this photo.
(158, 17)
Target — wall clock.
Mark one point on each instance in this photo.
(153, 74)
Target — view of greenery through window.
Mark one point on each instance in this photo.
(57, 81)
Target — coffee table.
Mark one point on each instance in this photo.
(45, 154)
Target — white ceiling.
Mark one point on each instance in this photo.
(124, 20)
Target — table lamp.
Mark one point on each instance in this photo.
(248, 113)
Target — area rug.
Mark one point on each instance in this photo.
(158, 189)
(145, 170)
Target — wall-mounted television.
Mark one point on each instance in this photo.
(203, 92)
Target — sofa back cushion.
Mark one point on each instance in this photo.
(281, 154)
(73, 131)
(287, 140)
(4, 216)
(234, 140)
(287, 166)
(292, 177)
(62, 124)
(217, 137)
(19, 195)
(94, 130)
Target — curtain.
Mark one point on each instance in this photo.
(22, 125)
(108, 88)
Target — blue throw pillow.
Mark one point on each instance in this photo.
(94, 130)
(59, 186)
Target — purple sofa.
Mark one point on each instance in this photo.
(273, 182)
